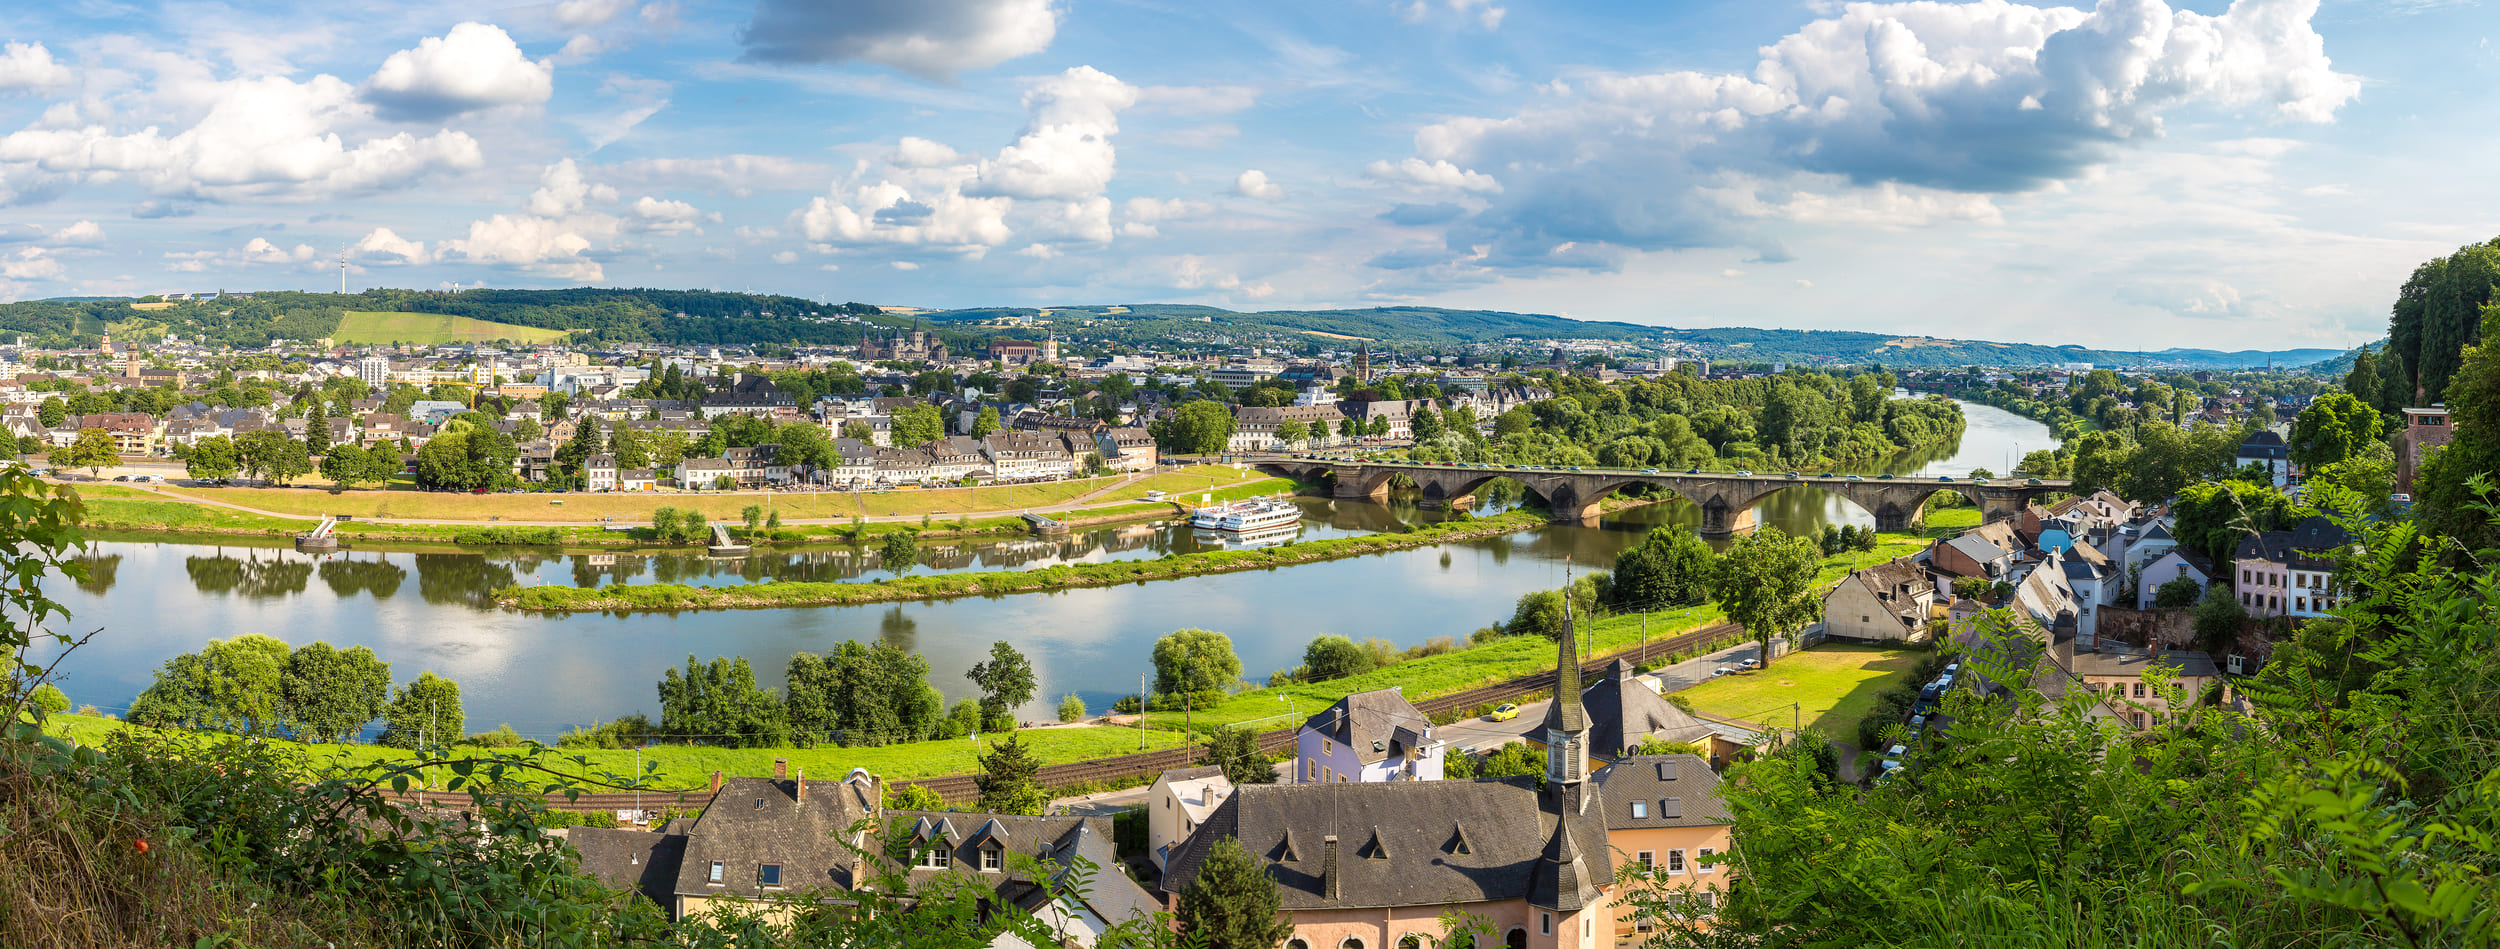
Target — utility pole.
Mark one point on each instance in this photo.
(1141, 711)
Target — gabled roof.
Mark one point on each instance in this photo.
(1657, 780)
(1621, 711)
(1507, 827)
(754, 821)
(1370, 722)
(629, 859)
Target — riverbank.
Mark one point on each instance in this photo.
(133, 511)
(672, 597)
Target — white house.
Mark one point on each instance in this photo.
(1368, 736)
(1180, 800)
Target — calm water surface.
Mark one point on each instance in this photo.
(543, 674)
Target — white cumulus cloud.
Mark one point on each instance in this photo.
(933, 39)
(475, 66)
(383, 242)
(86, 233)
(1065, 152)
(26, 66)
(1254, 184)
(657, 216)
(579, 13)
(562, 190)
(1436, 174)
(31, 263)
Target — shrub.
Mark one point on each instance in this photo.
(630, 731)
(50, 700)
(1071, 708)
(502, 737)
(913, 797)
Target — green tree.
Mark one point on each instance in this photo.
(1202, 427)
(48, 700)
(1512, 760)
(268, 453)
(914, 425)
(1290, 431)
(1765, 581)
(859, 430)
(211, 458)
(1236, 750)
(2212, 517)
(316, 429)
(1668, 568)
(986, 422)
(2180, 592)
(1232, 903)
(52, 412)
(718, 703)
(753, 515)
(1071, 708)
(630, 445)
(2447, 497)
(331, 694)
(1006, 780)
(426, 711)
(92, 449)
(1334, 657)
(901, 551)
(2335, 427)
(351, 466)
(1538, 613)
(1195, 662)
(1006, 683)
(2363, 382)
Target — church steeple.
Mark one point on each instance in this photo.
(1566, 723)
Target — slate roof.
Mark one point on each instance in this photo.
(756, 821)
(1063, 841)
(2133, 664)
(2263, 446)
(1680, 791)
(2305, 546)
(629, 859)
(1409, 843)
(1373, 724)
(1622, 711)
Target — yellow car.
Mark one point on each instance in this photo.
(1504, 712)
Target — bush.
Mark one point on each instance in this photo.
(1336, 657)
(1071, 709)
(631, 731)
(1436, 646)
(508, 536)
(50, 700)
(502, 737)
(1125, 705)
(913, 797)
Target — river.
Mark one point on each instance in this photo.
(542, 674)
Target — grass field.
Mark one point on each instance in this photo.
(689, 766)
(1833, 685)
(403, 501)
(369, 328)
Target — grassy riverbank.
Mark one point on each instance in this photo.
(691, 766)
(673, 597)
(130, 510)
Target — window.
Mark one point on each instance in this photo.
(1351, 943)
(1517, 938)
(1862, 618)
(1410, 941)
(1297, 943)
(1675, 861)
(1327, 774)
(1703, 862)
(937, 857)
(1640, 809)
(717, 869)
(1310, 769)
(2139, 690)
(1327, 749)
(768, 875)
(1545, 924)
(1643, 858)
(1709, 900)
(989, 859)
(2138, 718)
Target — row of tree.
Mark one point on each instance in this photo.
(257, 685)
(858, 695)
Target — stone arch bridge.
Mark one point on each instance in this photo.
(1727, 500)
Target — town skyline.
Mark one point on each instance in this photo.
(1711, 165)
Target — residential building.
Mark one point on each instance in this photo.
(374, 370)
(1384, 864)
(704, 474)
(2425, 432)
(1989, 551)
(774, 840)
(134, 433)
(1179, 802)
(1126, 449)
(599, 472)
(1663, 812)
(1021, 456)
(2266, 449)
(1888, 602)
(1368, 736)
(2290, 573)
(1624, 712)
(2119, 677)
(2173, 564)
(637, 479)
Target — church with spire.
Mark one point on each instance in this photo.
(1381, 865)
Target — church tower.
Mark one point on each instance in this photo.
(1363, 364)
(1566, 723)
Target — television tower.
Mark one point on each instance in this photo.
(342, 268)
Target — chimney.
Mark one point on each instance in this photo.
(781, 769)
(801, 790)
(716, 782)
(1329, 885)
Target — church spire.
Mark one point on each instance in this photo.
(1566, 723)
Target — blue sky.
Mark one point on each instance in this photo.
(2130, 175)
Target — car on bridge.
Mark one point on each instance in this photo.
(1692, 471)
(1744, 474)
(1792, 476)
(1649, 471)
(1948, 479)
(1883, 477)
(2031, 481)
(1857, 477)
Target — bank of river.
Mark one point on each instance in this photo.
(433, 609)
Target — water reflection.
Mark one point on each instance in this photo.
(349, 577)
(254, 576)
(101, 571)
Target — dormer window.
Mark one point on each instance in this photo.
(768, 875)
(991, 859)
(1640, 810)
(718, 869)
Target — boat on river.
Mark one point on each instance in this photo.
(1245, 517)
(1250, 540)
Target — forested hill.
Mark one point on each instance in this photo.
(689, 317)
(1402, 325)
(1815, 347)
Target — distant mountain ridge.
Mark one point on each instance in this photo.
(1431, 327)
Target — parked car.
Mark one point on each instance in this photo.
(1722, 671)
(1750, 664)
(1504, 712)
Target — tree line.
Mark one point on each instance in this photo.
(257, 685)
(857, 695)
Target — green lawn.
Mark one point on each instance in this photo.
(369, 328)
(686, 766)
(1833, 685)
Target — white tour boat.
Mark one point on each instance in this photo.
(1243, 517)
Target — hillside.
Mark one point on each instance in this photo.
(368, 328)
(1404, 325)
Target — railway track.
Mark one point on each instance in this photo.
(957, 788)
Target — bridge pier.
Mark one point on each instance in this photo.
(1893, 518)
(1720, 520)
(1352, 486)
